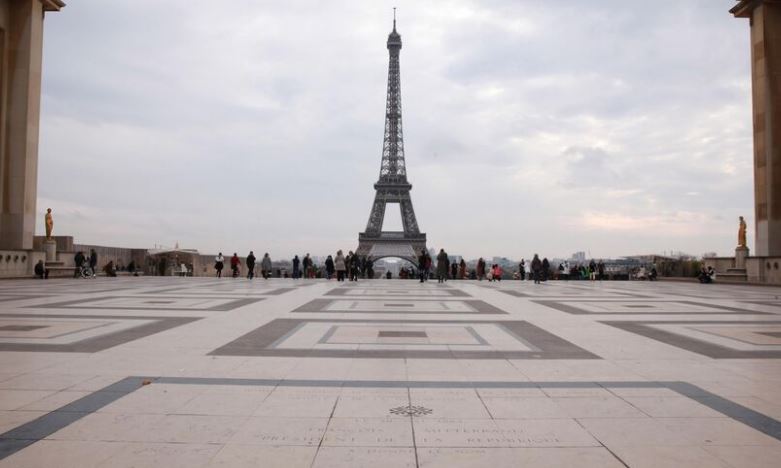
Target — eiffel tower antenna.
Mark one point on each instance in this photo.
(392, 186)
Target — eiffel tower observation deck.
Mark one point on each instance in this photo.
(392, 188)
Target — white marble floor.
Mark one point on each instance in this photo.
(203, 372)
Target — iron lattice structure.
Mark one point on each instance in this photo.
(392, 187)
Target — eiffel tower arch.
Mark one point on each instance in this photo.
(392, 187)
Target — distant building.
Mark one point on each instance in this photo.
(578, 257)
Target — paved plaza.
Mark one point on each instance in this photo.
(191, 372)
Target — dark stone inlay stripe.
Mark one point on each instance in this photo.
(23, 328)
(80, 304)
(27, 434)
(401, 334)
(480, 307)
(101, 342)
(4, 298)
(644, 328)
(562, 306)
(771, 334)
(345, 291)
(606, 294)
(259, 342)
(747, 416)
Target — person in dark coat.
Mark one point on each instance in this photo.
(93, 260)
(296, 263)
(422, 262)
(480, 269)
(370, 268)
(355, 266)
(601, 270)
(307, 266)
(78, 260)
(442, 264)
(536, 269)
(453, 270)
(250, 265)
(41, 272)
(522, 269)
(545, 269)
(329, 267)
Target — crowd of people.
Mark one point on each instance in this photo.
(353, 266)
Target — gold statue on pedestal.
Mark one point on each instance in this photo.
(49, 223)
(742, 233)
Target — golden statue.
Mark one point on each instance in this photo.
(742, 233)
(49, 223)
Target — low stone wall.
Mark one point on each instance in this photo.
(765, 270)
(119, 255)
(19, 263)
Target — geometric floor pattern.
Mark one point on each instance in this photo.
(206, 372)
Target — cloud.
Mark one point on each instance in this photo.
(549, 126)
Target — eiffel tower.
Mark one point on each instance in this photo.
(392, 187)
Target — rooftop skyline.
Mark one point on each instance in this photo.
(614, 128)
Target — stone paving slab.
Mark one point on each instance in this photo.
(233, 372)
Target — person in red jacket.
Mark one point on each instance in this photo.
(235, 262)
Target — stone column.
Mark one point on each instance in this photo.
(21, 49)
(765, 21)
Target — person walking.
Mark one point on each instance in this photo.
(545, 268)
(296, 263)
(536, 269)
(219, 264)
(480, 269)
(370, 268)
(522, 269)
(592, 270)
(93, 260)
(307, 266)
(251, 265)
(442, 263)
(329, 267)
(354, 266)
(78, 260)
(265, 266)
(601, 270)
(462, 269)
(422, 262)
(454, 270)
(340, 264)
(235, 262)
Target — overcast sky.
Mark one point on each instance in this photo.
(614, 127)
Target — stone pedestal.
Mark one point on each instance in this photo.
(50, 247)
(741, 253)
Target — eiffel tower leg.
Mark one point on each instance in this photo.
(377, 215)
(408, 216)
